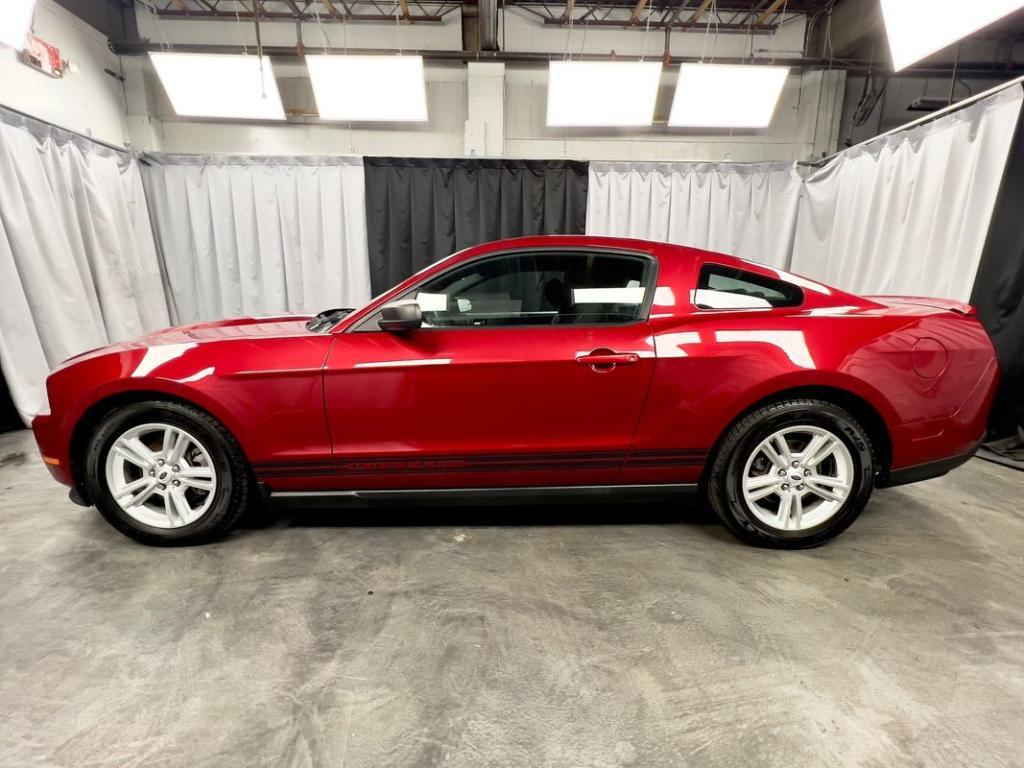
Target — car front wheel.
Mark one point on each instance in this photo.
(165, 473)
(792, 474)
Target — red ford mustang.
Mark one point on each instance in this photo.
(549, 365)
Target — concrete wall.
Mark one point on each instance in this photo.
(88, 101)
(442, 136)
(523, 126)
(814, 114)
(526, 134)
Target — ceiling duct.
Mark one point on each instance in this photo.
(487, 21)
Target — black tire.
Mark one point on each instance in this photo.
(724, 483)
(232, 473)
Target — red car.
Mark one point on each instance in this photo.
(542, 365)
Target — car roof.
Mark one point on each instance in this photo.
(682, 258)
(679, 255)
(657, 248)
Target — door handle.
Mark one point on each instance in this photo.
(601, 359)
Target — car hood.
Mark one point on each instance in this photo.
(282, 325)
(198, 333)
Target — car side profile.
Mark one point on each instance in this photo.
(542, 365)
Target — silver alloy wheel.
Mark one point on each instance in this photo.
(161, 475)
(798, 478)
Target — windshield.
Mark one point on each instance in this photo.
(331, 317)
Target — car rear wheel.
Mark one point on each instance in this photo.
(792, 474)
(165, 473)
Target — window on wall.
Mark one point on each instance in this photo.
(546, 288)
(721, 287)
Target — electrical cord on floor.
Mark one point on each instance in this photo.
(1008, 451)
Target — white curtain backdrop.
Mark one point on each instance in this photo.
(78, 264)
(746, 210)
(909, 212)
(245, 235)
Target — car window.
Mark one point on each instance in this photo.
(721, 287)
(545, 288)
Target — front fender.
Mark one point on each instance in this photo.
(267, 392)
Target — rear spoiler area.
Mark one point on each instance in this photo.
(949, 305)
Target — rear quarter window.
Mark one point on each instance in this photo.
(721, 287)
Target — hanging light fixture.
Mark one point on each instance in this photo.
(369, 88)
(726, 95)
(15, 20)
(219, 85)
(919, 28)
(602, 93)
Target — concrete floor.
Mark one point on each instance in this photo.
(617, 636)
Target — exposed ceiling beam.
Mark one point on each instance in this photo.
(671, 19)
(747, 7)
(180, 4)
(851, 28)
(701, 10)
(771, 9)
(380, 14)
(724, 28)
(638, 9)
(331, 8)
(538, 58)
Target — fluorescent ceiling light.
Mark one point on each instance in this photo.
(602, 93)
(726, 95)
(369, 88)
(15, 18)
(219, 85)
(917, 28)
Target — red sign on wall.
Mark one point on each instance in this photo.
(43, 56)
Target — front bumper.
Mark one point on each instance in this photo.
(53, 447)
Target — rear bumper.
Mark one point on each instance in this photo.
(53, 448)
(926, 471)
(949, 440)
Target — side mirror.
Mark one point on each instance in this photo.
(400, 316)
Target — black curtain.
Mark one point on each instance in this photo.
(9, 418)
(419, 210)
(998, 292)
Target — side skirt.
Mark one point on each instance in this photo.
(508, 495)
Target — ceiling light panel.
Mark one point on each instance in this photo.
(15, 18)
(369, 88)
(726, 95)
(602, 93)
(919, 28)
(220, 85)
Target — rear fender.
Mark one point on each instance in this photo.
(777, 387)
